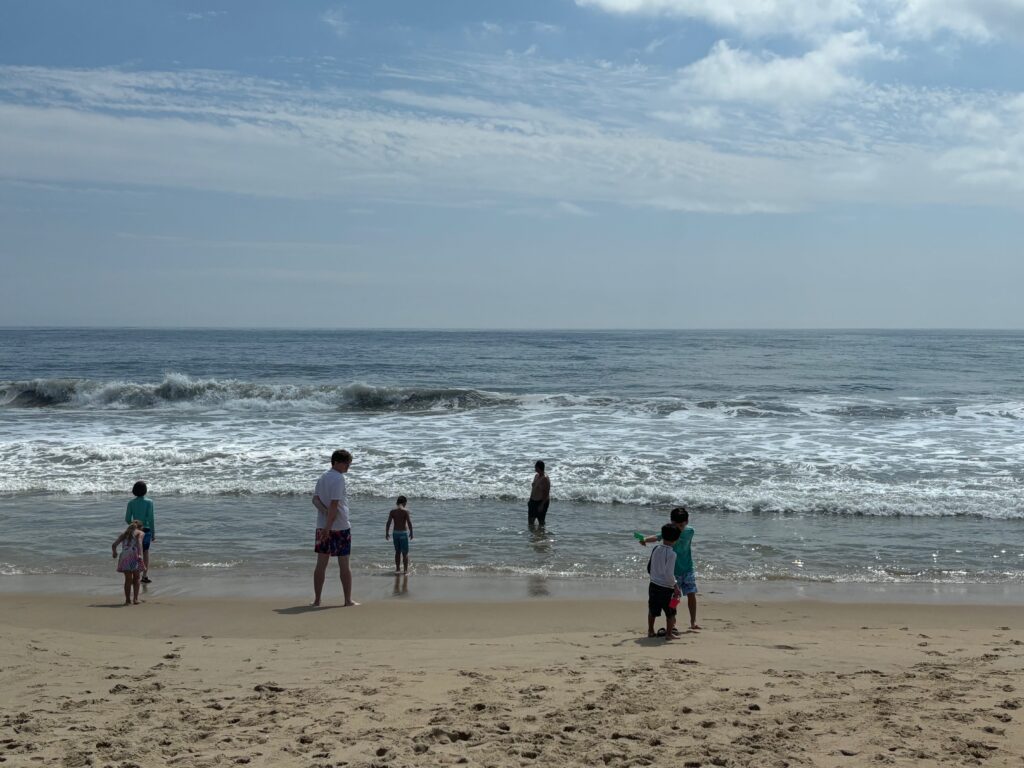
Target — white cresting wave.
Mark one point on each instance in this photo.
(178, 391)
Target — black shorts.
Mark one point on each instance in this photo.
(537, 510)
(658, 599)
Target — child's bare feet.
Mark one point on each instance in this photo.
(350, 603)
(696, 626)
(651, 633)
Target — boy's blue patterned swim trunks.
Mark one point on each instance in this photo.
(688, 583)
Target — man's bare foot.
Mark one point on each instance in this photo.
(127, 602)
(696, 626)
(135, 602)
(350, 603)
(315, 604)
(651, 634)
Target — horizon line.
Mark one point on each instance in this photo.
(503, 329)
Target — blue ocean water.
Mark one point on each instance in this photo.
(803, 455)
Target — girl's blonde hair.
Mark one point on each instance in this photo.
(133, 524)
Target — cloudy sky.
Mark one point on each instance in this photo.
(527, 164)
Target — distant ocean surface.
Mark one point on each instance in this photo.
(833, 457)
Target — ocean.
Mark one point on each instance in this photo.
(805, 457)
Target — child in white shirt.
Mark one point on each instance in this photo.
(663, 587)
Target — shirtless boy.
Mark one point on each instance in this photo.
(402, 521)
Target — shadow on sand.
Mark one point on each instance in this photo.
(297, 609)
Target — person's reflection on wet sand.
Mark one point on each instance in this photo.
(401, 585)
(537, 586)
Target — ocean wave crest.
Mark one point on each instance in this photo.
(181, 390)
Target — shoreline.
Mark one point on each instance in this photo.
(173, 616)
(383, 586)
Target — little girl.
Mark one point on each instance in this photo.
(130, 562)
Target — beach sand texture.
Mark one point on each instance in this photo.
(193, 682)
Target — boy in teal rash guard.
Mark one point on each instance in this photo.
(140, 508)
(685, 576)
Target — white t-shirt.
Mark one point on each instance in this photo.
(663, 566)
(331, 487)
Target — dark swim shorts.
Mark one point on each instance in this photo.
(147, 539)
(537, 511)
(659, 599)
(337, 543)
(401, 540)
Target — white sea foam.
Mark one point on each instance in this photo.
(194, 564)
(830, 455)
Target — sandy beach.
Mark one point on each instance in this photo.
(198, 682)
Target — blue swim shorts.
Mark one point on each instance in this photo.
(147, 539)
(337, 543)
(688, 583)
(401, 540)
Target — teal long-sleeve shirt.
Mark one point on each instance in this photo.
(141, 509)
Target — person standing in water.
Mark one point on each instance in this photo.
(540, 497)
(402, 520)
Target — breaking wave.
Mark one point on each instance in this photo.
(180, 390)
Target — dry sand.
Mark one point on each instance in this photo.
(192, 682)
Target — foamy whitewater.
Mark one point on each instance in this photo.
(820, 456)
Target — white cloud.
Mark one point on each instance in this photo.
(974, 20)
(335, 19)
(655, 44)
(573, 209)
(517, 134)
(988, 144)
(732, 74)
(543, 28)
(751, 17)
(978, 20)
(201, 15)
(702, 118)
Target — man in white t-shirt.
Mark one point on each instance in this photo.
(333, 529)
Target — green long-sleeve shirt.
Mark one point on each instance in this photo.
(141, 509)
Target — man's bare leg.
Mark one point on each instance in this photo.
(319, 574)
(346, 580)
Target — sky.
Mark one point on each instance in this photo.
(527, 164)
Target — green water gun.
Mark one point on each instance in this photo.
(638, 536)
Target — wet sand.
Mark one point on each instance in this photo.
(187, 681)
